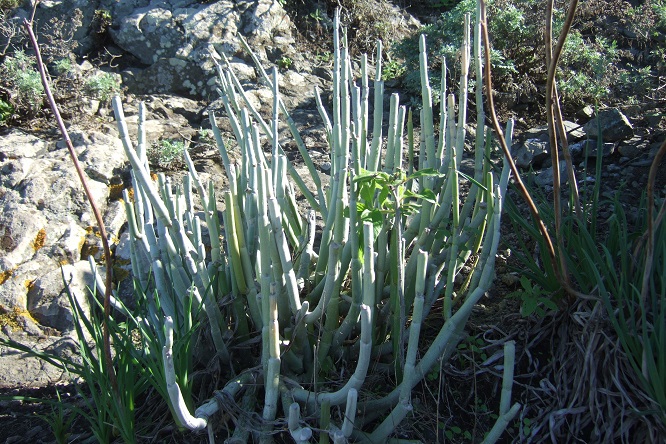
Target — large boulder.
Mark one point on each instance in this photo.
(45, 217)
(178, 41)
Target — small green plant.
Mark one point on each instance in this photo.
(285, 62)
(62, 66)
(102, 86)
(393, 69)
(318, 16)
(167, 153)
(472, 350)
(6, 111)
(457, 434)
(533, 299)
(325, 57)
(60, 420)
(22, 80)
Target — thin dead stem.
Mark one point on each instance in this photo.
(552, 107)
(500, 136)
(649, 254)
(98, 216)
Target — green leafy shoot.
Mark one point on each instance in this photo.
(534, 300)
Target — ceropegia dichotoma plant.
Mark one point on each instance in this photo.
(333, 295)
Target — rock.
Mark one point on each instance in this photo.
(633, 148)
(45, 214)
(179, 41)
(19, 369)
(589, 147)
(545, 177)
(614, 126)
(531, 152)
(48, 299)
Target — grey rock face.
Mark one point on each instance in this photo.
(614, 126)
(531, 152)
(45, 217)
(178, 40)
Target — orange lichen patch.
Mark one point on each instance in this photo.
(40, 240)
(116, 191)
(130, 195)
(4, 275)
(93, 230)
(12, 318)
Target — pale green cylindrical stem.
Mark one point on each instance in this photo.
(175, 395)
(324, 115)
(426, 97)
(272, 392)
(507, 379)
(276, 115)
(308, 251)
(140, 173)
(455, 225)
(390, 143)
(350, 413)
(324, 421)
(285, 255)
(410, 149)
(141, 135)
(450, 131)
(369, 267)
(330, 282)
(383, 430)
(506, 171)
(337, 112)
(357, 378)
(462, 95)
(397, 281)
(501, 425)
(300, 434)
(415, 327)
(376, 146)
(272, 377)
(398, 147)
(441, 147)
(221, 147)
(363, 111)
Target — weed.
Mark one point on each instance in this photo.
(393, 69)
(6, 111)
(62, 66)
(285, 63)
(22, 81)
(167, 154)
(102, 86)
(534, 300)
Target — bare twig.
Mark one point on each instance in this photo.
(500, 137)
(552, 106)
(98, 216)
(650, 221)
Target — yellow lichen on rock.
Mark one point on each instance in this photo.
(12, 318)
(40, 240)
(6, 274)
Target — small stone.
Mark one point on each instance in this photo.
(325, 167)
